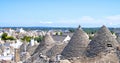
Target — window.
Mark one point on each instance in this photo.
(109, 45)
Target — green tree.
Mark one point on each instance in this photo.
(71, 30)
(39, 38)
(56, 33)
(4, 35)
(61, 33)
(10, 38)
(27, 38)
(112, 32)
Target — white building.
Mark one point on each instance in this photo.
(17, 44)
(6, 51)
(32, 42)
(20, 30)
(67, 38)
(10, 57)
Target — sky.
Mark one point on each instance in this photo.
(60, 13)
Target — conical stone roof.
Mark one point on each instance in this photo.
(118, 39)
(48, 40)
(103, 42)
(76, 45)
(56, 49)
(46, 44)
(31, 49)
(23, 47)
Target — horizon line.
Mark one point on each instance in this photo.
(55, 26)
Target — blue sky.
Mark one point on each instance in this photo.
(60, 13)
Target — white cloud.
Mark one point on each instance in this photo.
(83, 21)
(87, 21)
(45, 22)
(114, 18)
(110, 23)
(87, 18)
